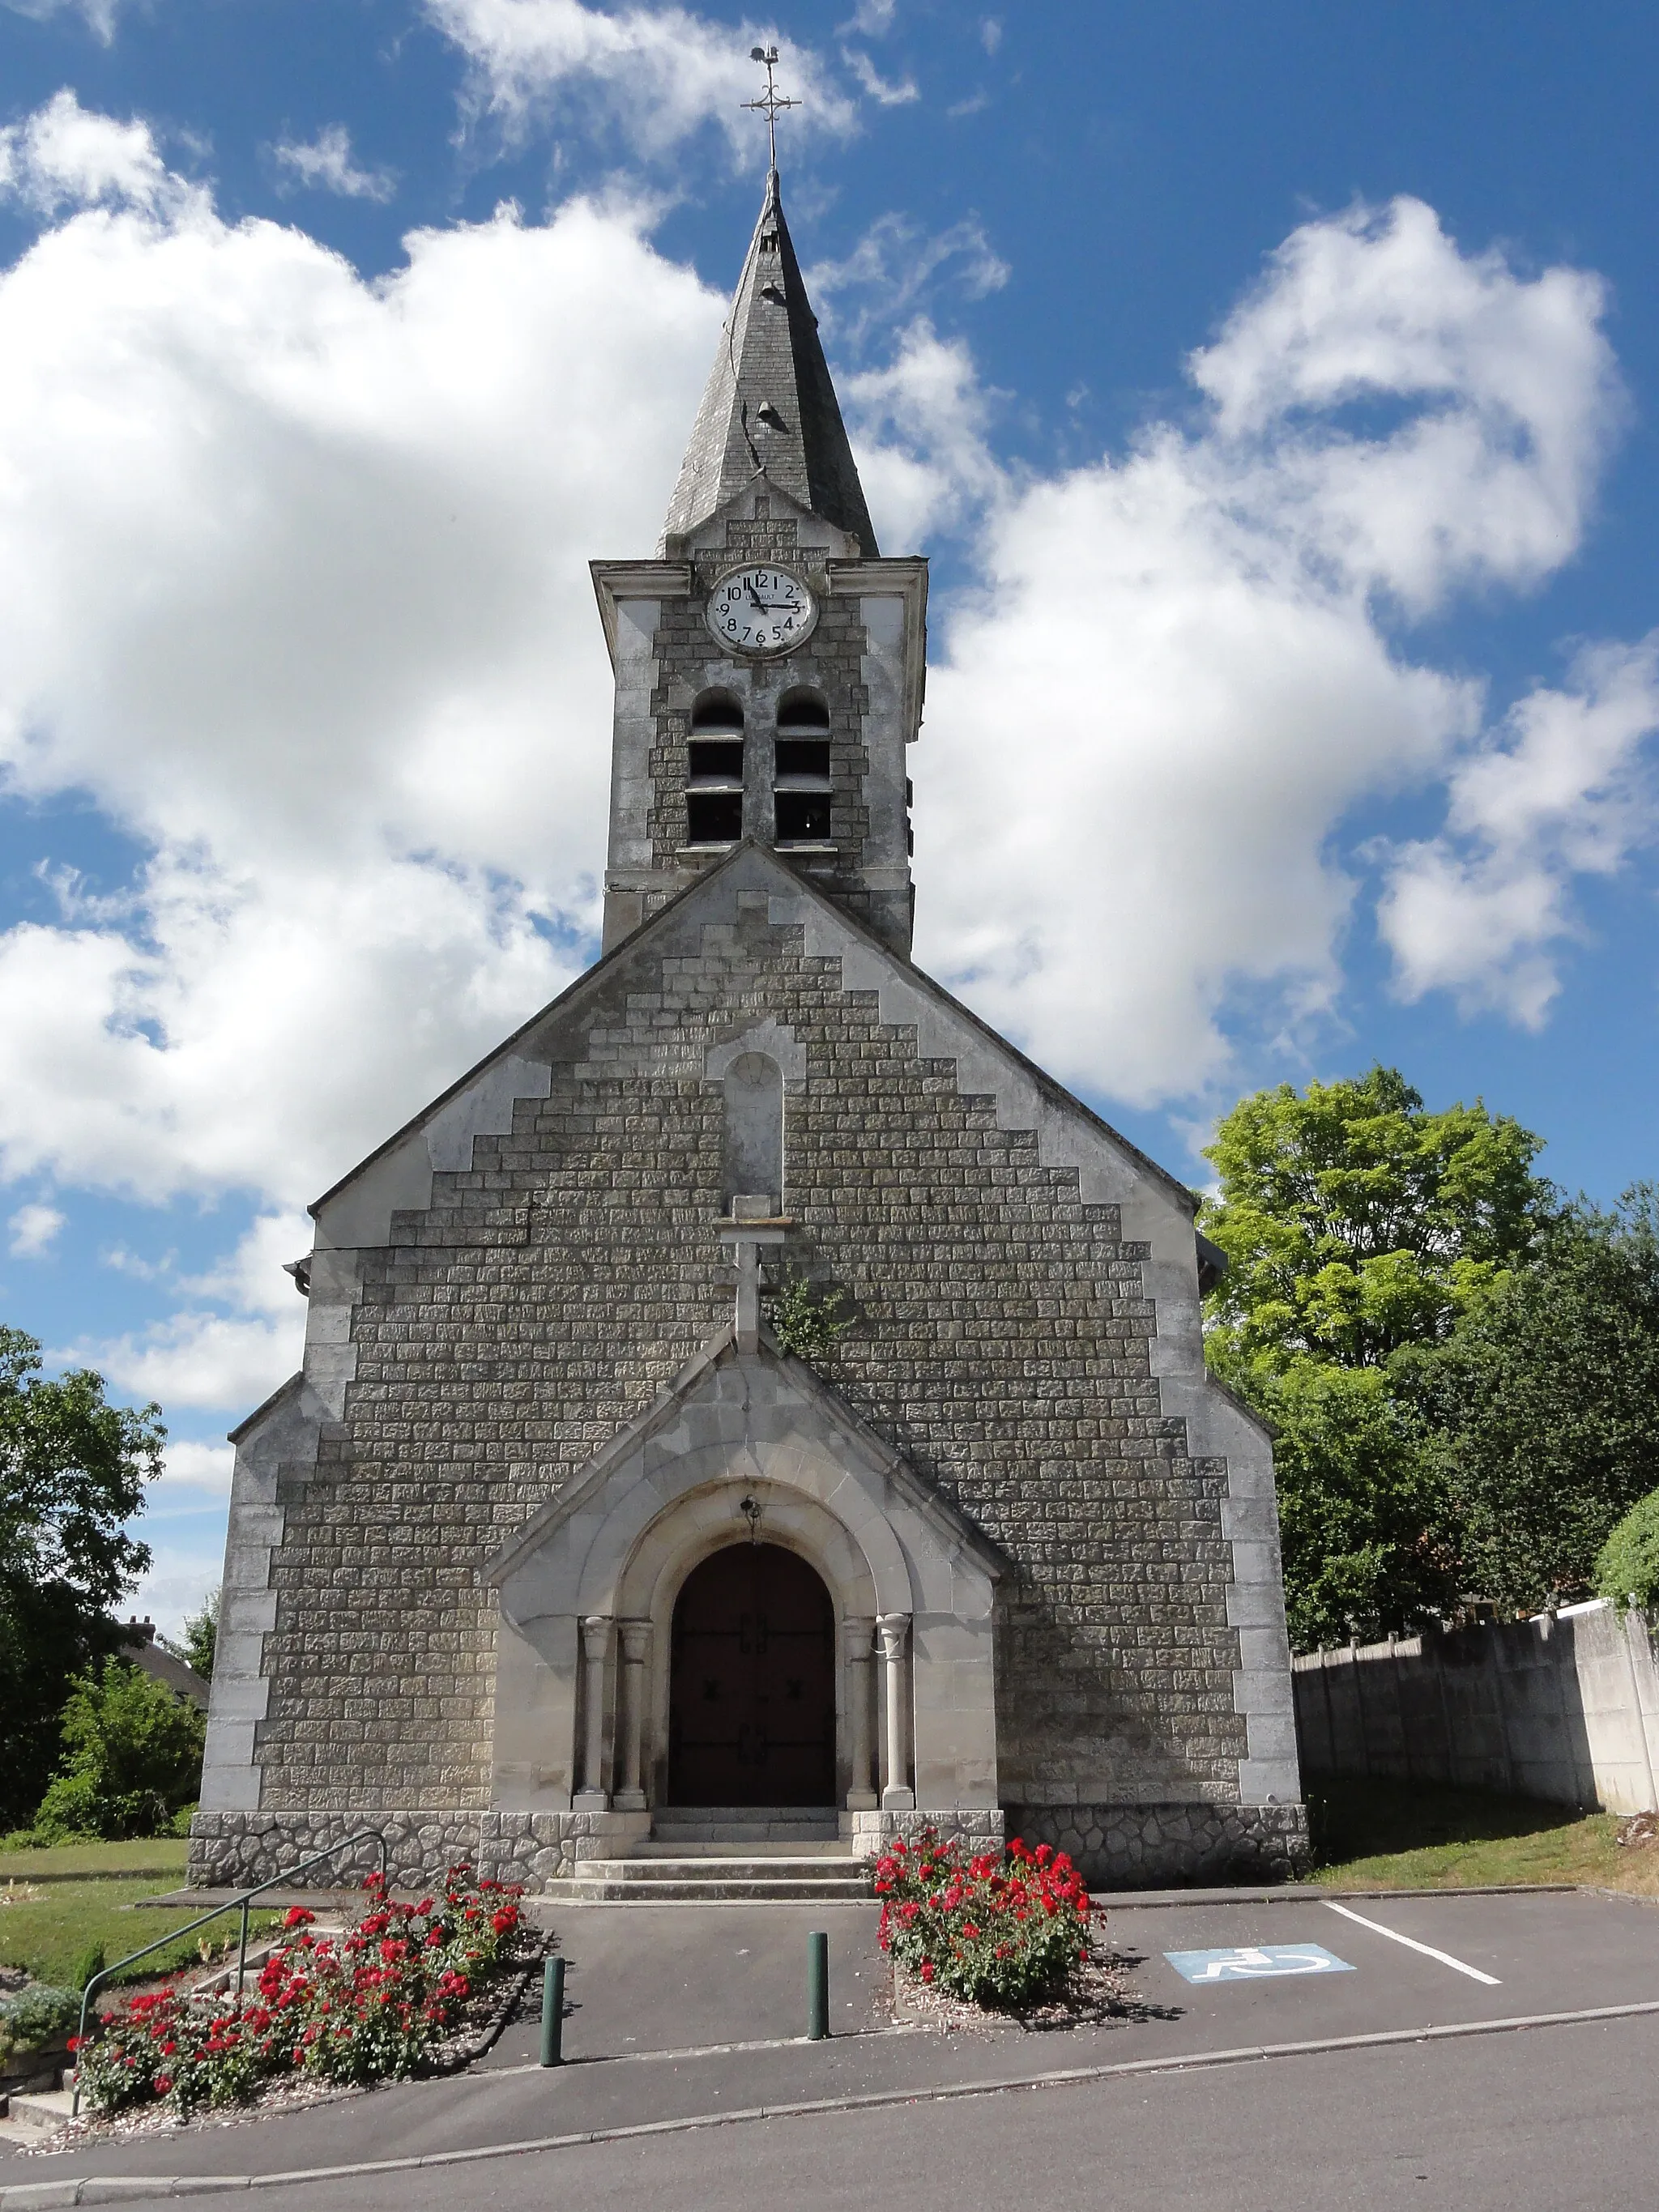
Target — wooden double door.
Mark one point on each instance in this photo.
(752, 1682)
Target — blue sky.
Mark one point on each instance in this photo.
(1274, 390)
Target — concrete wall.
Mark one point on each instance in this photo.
(1562, 1707)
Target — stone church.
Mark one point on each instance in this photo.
(555, 1555)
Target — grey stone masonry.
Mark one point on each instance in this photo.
(1163, 1846)
(1026, 1339)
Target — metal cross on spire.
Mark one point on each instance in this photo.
(771, 100)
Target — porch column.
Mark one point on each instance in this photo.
(592, 1796)
(857, 1636)
(893, 1629)
(633, 1638)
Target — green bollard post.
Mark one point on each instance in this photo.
(553, 2013)
(817, 1987)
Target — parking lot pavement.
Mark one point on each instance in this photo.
(1546, 1954)
(1550, 1952)
(680, 1977)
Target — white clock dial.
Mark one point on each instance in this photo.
(762, 609)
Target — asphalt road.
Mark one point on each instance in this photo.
(1559, 2119)
(661, 1996)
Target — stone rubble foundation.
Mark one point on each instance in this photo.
(1115, 1846)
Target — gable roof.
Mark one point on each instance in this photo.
(948, 1519)
(750, 857)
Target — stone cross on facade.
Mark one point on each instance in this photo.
(753, 1224)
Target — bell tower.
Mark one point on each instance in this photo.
(769, 664)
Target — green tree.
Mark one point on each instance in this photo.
(1627, 1565)
(132, 1757)
(1359, 1229)
(72, 1471)
(201, 1635)
(1545, 1404)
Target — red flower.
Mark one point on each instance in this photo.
(298, 1916)
(926, 1970)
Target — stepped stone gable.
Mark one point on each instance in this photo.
(480, 1591)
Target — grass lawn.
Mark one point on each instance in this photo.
(161, 1857)
(55, 1905)
(1423, 1836)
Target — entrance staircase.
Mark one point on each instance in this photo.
(716, 1854)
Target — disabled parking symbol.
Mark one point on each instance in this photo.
(1253, 1962)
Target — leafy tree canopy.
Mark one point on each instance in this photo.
(72, 1471)
(132, 1757)
(1544, 1406)
(1356, 1222)
(202, 1635)
(1359, 1229)
(1627, 1566)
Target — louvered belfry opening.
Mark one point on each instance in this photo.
(800, 787)
(714, 782)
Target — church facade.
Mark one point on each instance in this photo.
(756, 1400)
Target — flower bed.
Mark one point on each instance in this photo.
(1003, 1930)
(364, 2007)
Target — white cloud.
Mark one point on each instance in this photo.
(64, 156)
(881, 89)
(871, 19)
(292, 580)
(195, 1465)
(199, 1359)
(920, 428)
(324, 164)
(196, 1357)
(657, 75)
(34, 1230)
(990, 34)
(1176, 683)
(1561, 791)
(99, 15)
(895, 266)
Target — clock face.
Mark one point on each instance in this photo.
(762, 609)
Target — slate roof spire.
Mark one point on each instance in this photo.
(769, 405)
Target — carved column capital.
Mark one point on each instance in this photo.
(894, 1630)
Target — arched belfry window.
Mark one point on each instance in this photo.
(714, 781)
(801, 785)
(753, 1163)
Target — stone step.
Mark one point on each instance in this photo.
(47, 2110)
(710, 1888)
(755, 1824)
(676, 1846)
(693, 1866)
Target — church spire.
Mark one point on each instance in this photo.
(769, 406)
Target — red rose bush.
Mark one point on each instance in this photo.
(1002, 1929)
(363, 2007)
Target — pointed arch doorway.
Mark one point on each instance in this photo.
(751, 1685)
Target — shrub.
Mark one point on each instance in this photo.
(34, 2016)
(364, 2008)
(91, 1962)
(997, 1930)
(806, 1322)
(202, 1635)
(132, 1756)
(1627, 1566)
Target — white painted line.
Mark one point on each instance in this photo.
(1411, 1944)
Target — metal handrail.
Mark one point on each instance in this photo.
(244, 1900)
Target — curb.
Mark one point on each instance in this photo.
(114, 2189)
